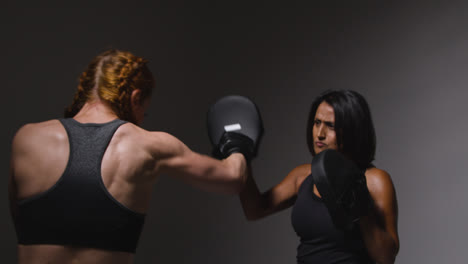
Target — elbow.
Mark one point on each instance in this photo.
(390, 256)
(393, 251)
(388, 260)
(252, 211)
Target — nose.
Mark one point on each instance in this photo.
(321, 132)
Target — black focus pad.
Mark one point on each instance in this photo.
(237, 114)
(342, 186)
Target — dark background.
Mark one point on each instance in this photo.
(409, 59)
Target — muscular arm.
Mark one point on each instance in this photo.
(257, 205)
(176, 159)
(379, 227)
(19, 149)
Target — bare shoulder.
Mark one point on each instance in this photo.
(39, 133)
(38, 149)
(134, 131)
(378, 179)
(34, 128)
(380, 185)
(137, 131)
(301, 170)
(299, 174)
(159, 144)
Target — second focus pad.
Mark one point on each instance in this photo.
(342, 186)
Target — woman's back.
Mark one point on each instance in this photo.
(42, 164)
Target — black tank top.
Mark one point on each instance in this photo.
(78, 210)
(320, 240)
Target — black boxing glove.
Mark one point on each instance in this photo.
(356, 199)
(342, 186)
(233, 142)
(234, 125)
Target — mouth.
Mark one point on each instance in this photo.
(320, 144)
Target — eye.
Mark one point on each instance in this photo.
(317, 122)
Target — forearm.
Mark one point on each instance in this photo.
(258, 204)
(251, 198)
(381, 245)
(227, 176)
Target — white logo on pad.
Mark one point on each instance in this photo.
(232, 127)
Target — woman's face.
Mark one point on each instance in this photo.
(323, 131)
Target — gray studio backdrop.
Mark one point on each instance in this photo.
(410, 60)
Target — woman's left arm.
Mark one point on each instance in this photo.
(379, 226)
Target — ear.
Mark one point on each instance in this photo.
(135, 98)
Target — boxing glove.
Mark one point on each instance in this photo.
(342, 186)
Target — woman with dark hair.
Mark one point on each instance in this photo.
(339, 120)
(80, 186)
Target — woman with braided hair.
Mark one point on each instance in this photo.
(120, 74)
(80, 185)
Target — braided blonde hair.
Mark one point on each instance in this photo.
(113, 76)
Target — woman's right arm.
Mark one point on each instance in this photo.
(174, 158)
(257, 205)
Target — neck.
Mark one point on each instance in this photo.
(95, 111)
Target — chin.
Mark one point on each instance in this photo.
(318, 150)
